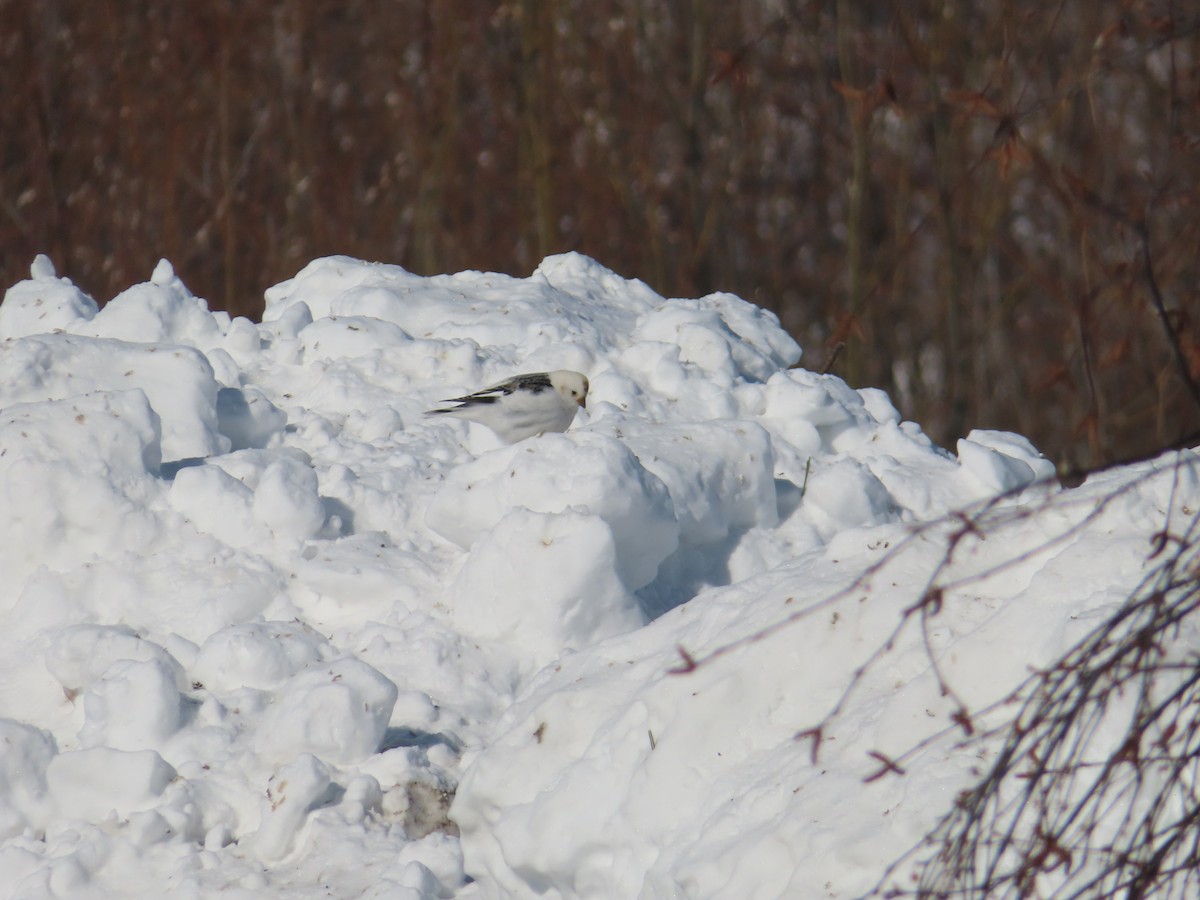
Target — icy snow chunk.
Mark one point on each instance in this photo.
(217, 504)
(543, 804)
(815, 398)
(543, 582)
(706, 333)
(1000, 461)
(415, 710)
(75, 478)
(700, 334)
(758, 330)
(248, 418)
(292, 792)
(996, 471)
(720, 475)
(163, 274)
(241, 497)
(178, 381)
(880, 406)
(387, 305)
(338, 711)
(661, 387)
(242, 338)
(291, 321)
(161, 311)
(26, 752)
(79, 654)
(587, 473)
(42, 268)
(286, 499)
(320, 282)
(570, 308)
(225, 368)
(420, 881)
(134, 706)
(843, 494)
(400, 303)
(111, 434)
(365, 575)
(821, 413)
(581, 276)
(1003, 461)
(261, 655)
(44, 303)
(98, 782)
(349, 337)
(363, 796)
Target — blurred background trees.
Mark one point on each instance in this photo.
(994, 206)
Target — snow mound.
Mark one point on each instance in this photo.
(45, 303)
(69, 470)
(544, 582)
(269, 630)
(337, 710)
(586, 473)
(177, 380)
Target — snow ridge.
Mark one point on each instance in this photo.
(268, 628)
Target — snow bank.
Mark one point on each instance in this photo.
(587, 473)
(70, 471)
(270, 630)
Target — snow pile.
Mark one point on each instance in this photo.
(269, 629)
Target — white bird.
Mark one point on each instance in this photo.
(523, 406)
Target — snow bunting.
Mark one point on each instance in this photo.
(524, 405)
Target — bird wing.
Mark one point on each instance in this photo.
(533, 383)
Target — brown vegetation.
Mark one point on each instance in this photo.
(993, 204)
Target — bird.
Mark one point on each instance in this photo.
(524, 405)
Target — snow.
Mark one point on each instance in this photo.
(268, 630)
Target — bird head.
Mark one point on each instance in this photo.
(571, 386)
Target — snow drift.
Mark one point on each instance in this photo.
(268, 630)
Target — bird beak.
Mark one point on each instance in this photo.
(581, 401)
